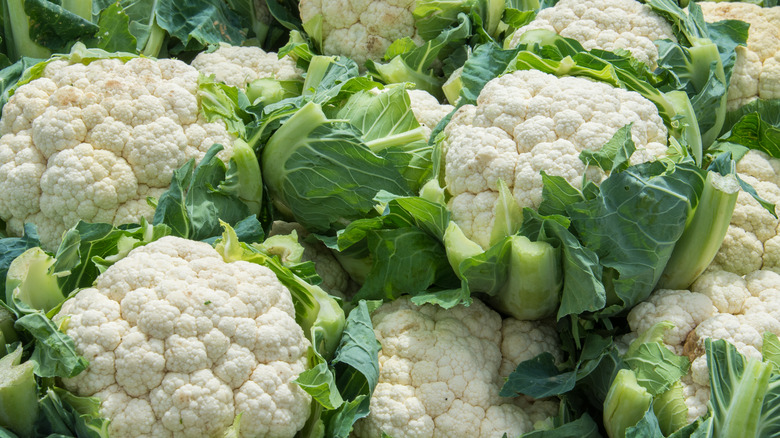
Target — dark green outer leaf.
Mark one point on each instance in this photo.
(55, 353)
(205, 21)
(54, 27)
(756, 126)
(635, 222)
(332, 178)
(647, 427)
(406, 262)
(583, 427)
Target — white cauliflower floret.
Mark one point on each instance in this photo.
(361, 29)
(427, 109)
(527, 122)
(757, 68)
(439, 373)
(92, 141)
(751, 242)
(240, 65)
(744, 309)
(605, 24)
(179, 342)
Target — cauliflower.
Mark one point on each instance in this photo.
(362, 29)
(427, 109)
(757, 68)
(179, 343)
(530, 121)
(719, 305)
(752, 240)
(605, 24)
(237, 66)
(93, 141)
(441, 371)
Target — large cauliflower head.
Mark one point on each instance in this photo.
(238, 65)
(361, 29)
(440, 371)
(527, 122)
(93, 141)
(179, 342)
(606, 25)
(719, 305)
(757, 68)
(752, 241)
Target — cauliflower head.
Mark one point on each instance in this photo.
(757, 68)
(239, 65)
(179, 342)
(752, 240)
(606, 25)
(93, 141)
(527, 122)
(361, 29)
(719, 305)
(440, 373)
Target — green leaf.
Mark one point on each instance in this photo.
(321, 172)
(55, 27)
(615, 154)
(634, 245)
(756, 126)
(406, 262)
(657, 367)
(320, 383)
(198, 23)
(113, 34)
(55, 353)
(12, 247)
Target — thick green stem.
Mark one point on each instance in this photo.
(18, 394)
(685, 124)
(532, 289)
(625, 404)
(741, 418)
(704, 233)
(401, 139)
(17, 33)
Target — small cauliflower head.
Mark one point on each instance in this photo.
(238, 65)
(361, 29)
(335, 280)
(719, 305)
(439, 373)
(752, 242)
(757, 68)
(179, 342)
(527, 122)
(92, 142)
(606, 25)
(427, 109)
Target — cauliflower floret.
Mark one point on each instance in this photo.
(179, 342)
(361, 29)
(92, 141)
(751, 242)
(427, 110)
(757, 68)
(439, 373)
(744, 309)
(530, 121)
(238, 65)
(606, 25)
